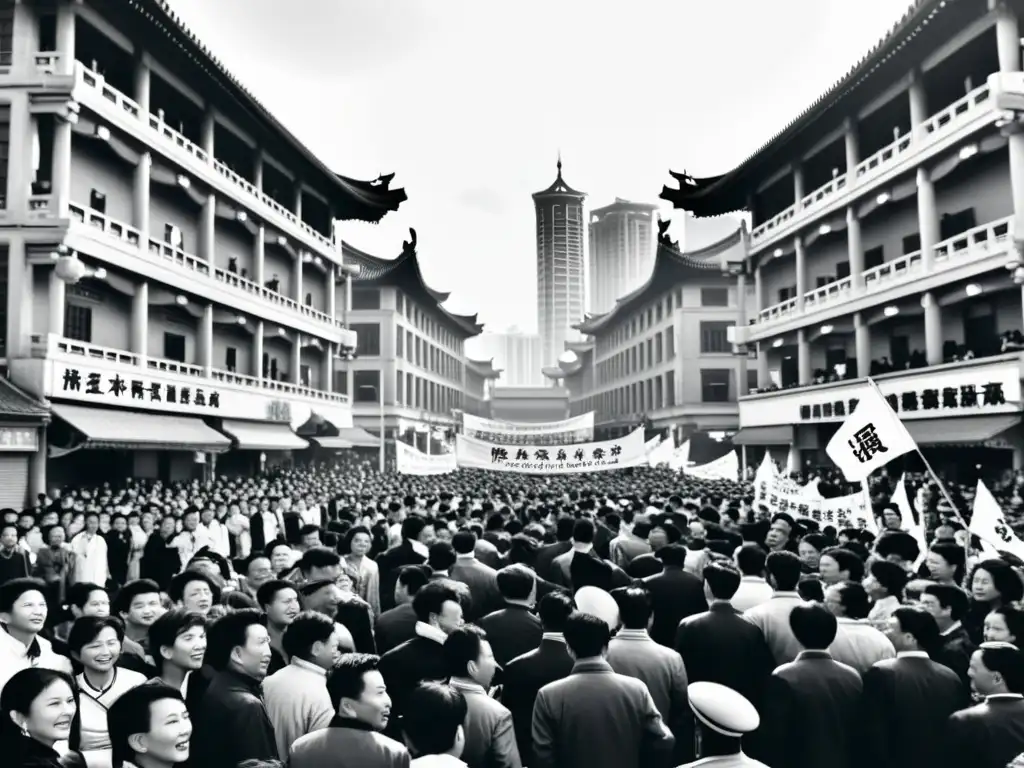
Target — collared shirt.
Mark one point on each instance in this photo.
(952, 628)
(419, 548)
(437, 761)
(632, 634)
(467, 685)
(912, 655)
(753, 590)
(430, 632)
(812, 654)
(558, 637)
(1004, 697)
(582, 548)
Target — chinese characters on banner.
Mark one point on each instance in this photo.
(965, 397)
(410, 461)
(114, 388)
(869, 438)
(579, 429)
(781, 494)
(627, 451)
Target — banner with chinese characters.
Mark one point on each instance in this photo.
(782, 494)
(725, 467)
(410, 461)
(627, 451)
(578, 429)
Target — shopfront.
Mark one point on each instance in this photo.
(22, 433)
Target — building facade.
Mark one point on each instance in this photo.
(481, 378)
(560, 265)
(530, 405)
(171, 254)
(886, 243)
(622, 245)
(517, 355)
(662, 356)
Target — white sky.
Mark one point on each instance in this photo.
(468, 102)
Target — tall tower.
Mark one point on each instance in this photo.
(560, 278)
(621, 251)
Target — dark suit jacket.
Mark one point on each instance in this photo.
(642, 566)
(389, 564)
(403, 668)
(232, 724)
(394, 627)
(988, 735)
(955, 652)
(675, 594)
(811, 717)
(906, 703)
(482, 581)
(512, 631)
(524, 676)
(546, 555)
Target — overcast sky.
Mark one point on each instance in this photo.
(469, 101)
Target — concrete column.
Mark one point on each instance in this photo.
(140, 196)
(801, 272)
(65, 36)
(37, 467)
(862, 344)
(300, 295)
(140, 320)
(257, 170)
(56, 301)
(328, 383)
(259, 254)
(758, 292)
(208, 230)
(209, 132)
(142, 85)
(798, 186)
(918, 103)
(61, 180)
(763, 377)
(297, 208)
(852, 141)
(19, 166)
(855, 248)
(257, 350)
(206, 340)
(332, 295)
(803, 347)
(25, 37)
(927, 217)
(1007, 37)
(349, 378)
(741, 321)
(932, 329)
(297, 359)
(19, 300)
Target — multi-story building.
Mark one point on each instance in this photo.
(662, 357)
(517, 355)
(169, 251)
(886, 243)
(409, 370)
(560, 268)
(621, 252)
(481, 377)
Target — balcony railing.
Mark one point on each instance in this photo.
(262, 203)
(55, 346)
(166, 253)
(972, 244)
(933, 129)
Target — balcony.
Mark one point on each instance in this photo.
(92, 90)
(65, 369)
(967, 254)
(936, 135)
(161, 261)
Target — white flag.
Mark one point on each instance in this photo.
(911, 524)
(871, 436)
(989, 524)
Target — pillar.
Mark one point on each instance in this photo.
(56, 304)
(918, 103)
(1007, 37)
(37, 467)
(298, 201)
(142, 85)
(332, 296)
(741, 321)
(209, 132)
(140, 320)
(206, 340)
(328, 383)
(862, 344)
(257, 170)
(297, 359)
(140, 196)
(25, 37)
(19, 302)
(932, 329)
(257, 350)
(19, 166)
(208, 230)
(852, 142)
(259, 255)
(65, 36)
(758, 292)
(927, 217)
(299, 269)
(855, 248)
(798, 186)
(763, 376)
(61, 173)
(801, 272)
(803, 347)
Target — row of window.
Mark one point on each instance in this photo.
(426, 324)
(411, 390)
(647, 354)
(423, 354)
(663, 307)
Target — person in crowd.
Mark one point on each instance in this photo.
(885, 584)
(84, 599)
(150, 727)
(160, 560)
(178, 642)
(90, 551)
(138, 606)
(515, 628)
(23, 612)
(675, 595)
(859, 643)
(354, 737)
(838, 564)
(279, 600)
(547, 554)
(772, 617)
(907, 700)
(194, 591)
(37, 712)
(754, 589)
(296, 696)
(949, 604)
(417, 535)
(358, 542)
(193, 537)
(946, 563)
(723, 717)
(55, 564)
(1004, 624)
(14, 562)
(490, 740)
(433, 728)
(631, 541)
(396, 625)
(482, 580)
(809, 551)
(632, 733)
(815, 701)
(993, 583)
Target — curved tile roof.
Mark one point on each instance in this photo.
(15, 403)
(484, 367)
(559, 187)
(716, 195)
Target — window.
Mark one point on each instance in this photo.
(714, 297)
(174, 347)
(78, 322)
(670, 343)
(367, 339)
(822, 280)
(751, 379)
(365, 298)
(399, 343)
(399, 385)
(785, 294)
(367, 386)
(173, 236)
(5, 134)
(97, 201)
(304, 375)
(7, 34)
(341, 382)
(670, 389)
(714, 385)
(842, 270)
(231, 359)
(912, 243)
(714, 338)
(874, 257)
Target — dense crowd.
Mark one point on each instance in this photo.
(334, 616)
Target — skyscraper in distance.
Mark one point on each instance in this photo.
(621, 251)
(515, 353)
(560, 266)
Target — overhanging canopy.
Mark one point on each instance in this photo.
(966, 430)
(358, 437)
(780, 435)
(128, 430)
(332, 443)
(263, 436)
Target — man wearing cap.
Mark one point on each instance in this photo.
(722, 717)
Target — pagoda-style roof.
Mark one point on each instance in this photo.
(404, 272)
(559, 187)
(168, 39)
(671, 267)
(484, 368)
(924, 26)
(17, 404)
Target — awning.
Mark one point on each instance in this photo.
(263, 436)
(966, 430)
(358, 437)
(128, 430)
(780, 435)
(332, 443)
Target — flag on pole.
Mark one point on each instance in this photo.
(989, 524)
(869, 438)
(913, 525)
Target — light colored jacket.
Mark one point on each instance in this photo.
(297, 702)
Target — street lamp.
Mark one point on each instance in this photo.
(380, 400)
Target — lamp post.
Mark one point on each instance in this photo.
(380, 400)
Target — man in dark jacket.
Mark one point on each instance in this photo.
(412, 551)
(231, 724)
(949, 604)
(547, 554)
(675, 594)
(398, 624)
(514, 629)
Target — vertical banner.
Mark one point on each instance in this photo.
(410, 461)
(627, 451)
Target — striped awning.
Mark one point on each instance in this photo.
(332, 443)
(108, 428)
(263, 435)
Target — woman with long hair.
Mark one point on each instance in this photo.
(37, 711)
(992, 584)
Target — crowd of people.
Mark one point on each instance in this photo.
(334, 616)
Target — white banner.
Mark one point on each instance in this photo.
(578, 429)
(725, 467)
(538, 459)
(781, 494)
(661, 453)
(410, 461)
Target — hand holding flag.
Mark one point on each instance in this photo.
(869, 438)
